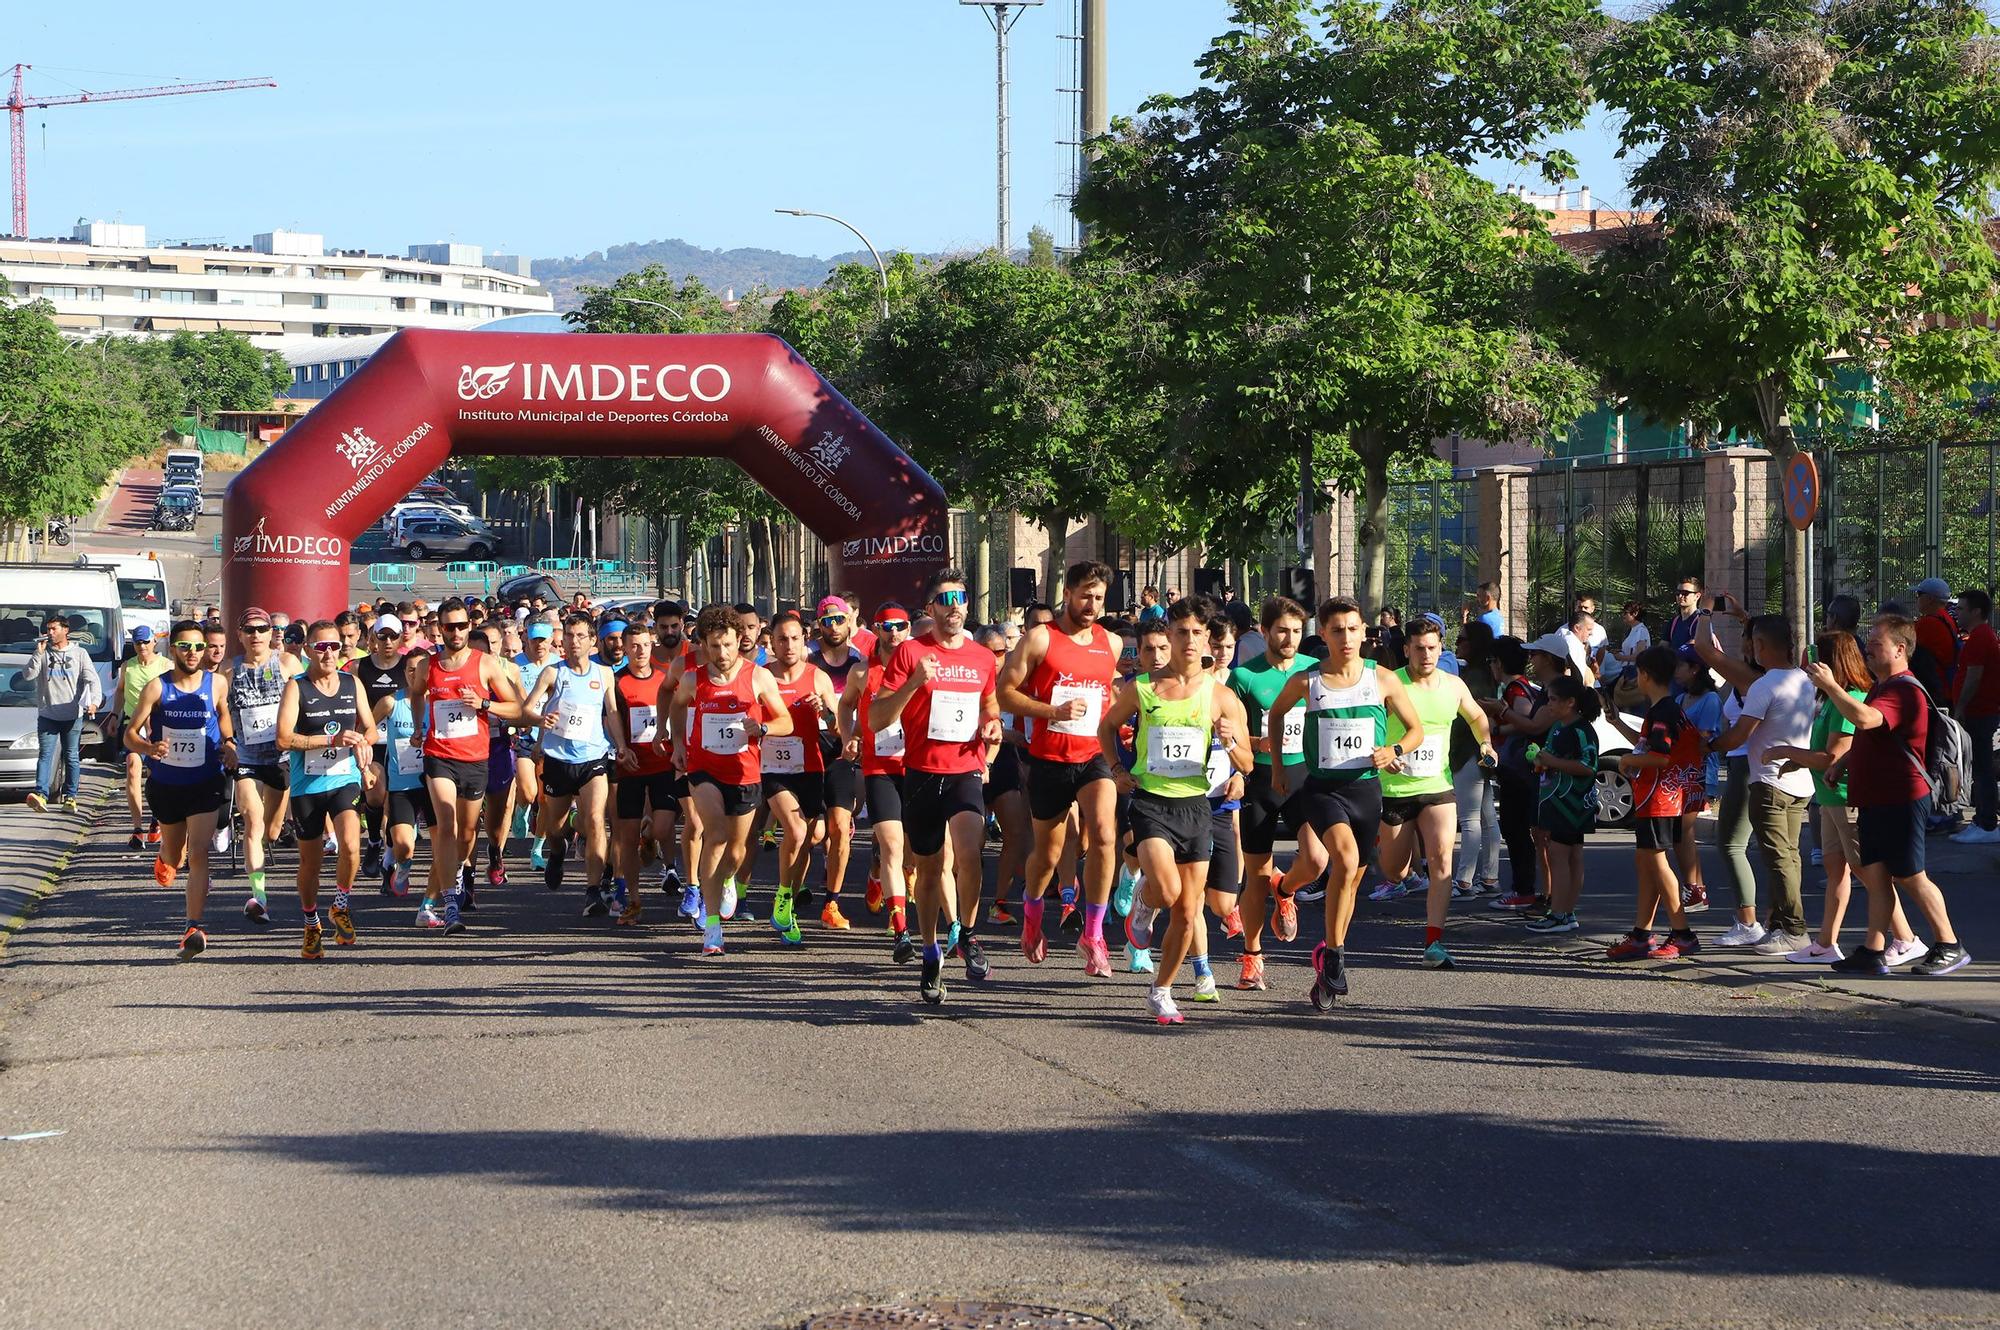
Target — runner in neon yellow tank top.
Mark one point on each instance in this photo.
(1351, 701)
(1418, 806)
(1178, 710)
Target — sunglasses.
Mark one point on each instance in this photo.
(190, 646)
(455, 625)
(325, 646)
(892, 625)
(387, 632)
(829, 620)
(256, 627)
(950, 598)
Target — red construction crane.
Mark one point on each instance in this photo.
(18, 105)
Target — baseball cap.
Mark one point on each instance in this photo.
(1563, 647)
(1932, 586)
(252, 614)
(142, 634)
(540, 628)
(1688, 654)
(388, 623)
(833, 603)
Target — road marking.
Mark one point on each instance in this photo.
(34, 1135)
(1331, 1214)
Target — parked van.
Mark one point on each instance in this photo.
(88, 598)
(184, 464)
(142, 590)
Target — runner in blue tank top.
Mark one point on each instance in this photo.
(325, 725)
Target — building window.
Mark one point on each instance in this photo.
(176, 297)
(59, 292)
(142, 293)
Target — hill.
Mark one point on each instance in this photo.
(744, 270)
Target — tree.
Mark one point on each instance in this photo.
(1820, 170)
(1041, 247)
(1347, 276)
(215, 371)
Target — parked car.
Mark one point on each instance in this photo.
(1614, 788)
(427, 508)
(175, 512)
(88, 598)
(422, 538)
(190, 492)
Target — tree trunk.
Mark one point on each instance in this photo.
(1055, 556)
(1374, 525)
(763, 567)
(981, 571)
(1774, 421)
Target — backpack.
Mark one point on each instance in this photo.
(1947, 762)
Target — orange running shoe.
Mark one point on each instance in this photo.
(1285, 919)
(832, 917)
(630, 915)
(343, 927)
(1001, 914)
(164, 873)
(1253, 971)
(314, 947)
(874, 895)
(193, 943)
(1232, 923)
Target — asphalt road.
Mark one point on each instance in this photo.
(546, 1122)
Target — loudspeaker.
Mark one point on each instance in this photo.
(1119, 598)
(1209, 581)
(1298, 584)
(1021, 587)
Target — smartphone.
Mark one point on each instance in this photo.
(1717, 604)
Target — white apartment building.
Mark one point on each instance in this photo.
(106, 279)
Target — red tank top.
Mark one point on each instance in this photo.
(719, 742)
(872, 762)
(458, 729)
(645, 720)
(1069, 670)
(781, 756)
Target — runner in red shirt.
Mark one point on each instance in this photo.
(648, 785)
(881, 756)
(717, 719)
(941, 686)
(794, 767)
(1059, 677)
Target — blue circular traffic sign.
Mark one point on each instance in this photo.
(1801, 491)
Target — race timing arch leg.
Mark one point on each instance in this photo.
(291, 517)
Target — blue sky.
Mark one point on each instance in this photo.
(553, 130)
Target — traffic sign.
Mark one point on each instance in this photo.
(1801, 491)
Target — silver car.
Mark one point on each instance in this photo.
(445, 538)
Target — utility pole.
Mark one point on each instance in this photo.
(1002, 15)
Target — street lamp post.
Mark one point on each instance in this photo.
(641, 300)
(880, 270)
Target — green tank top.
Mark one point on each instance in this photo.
(1258, 682)
(1423, 770)
(1171, 740)
(1344, 727)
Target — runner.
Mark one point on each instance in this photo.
(538, 653)
(462, 692)
(381, 672)
(181, 726)
(715, 716)
(217, 638)
(257, 679)
(575, 703)
(497, 812)
(881, 752)
(1006, 803)
(794, 767)
(839, 650)
(145, 664)
(1225, 800)
(402, 745)
(1181, 712)
(1348, 704)
(649, 790)
(1257, 683)
(1419, 806)
(325, 725)
(941, 686)
(687, 657)
(352, 647)
(1059, 678)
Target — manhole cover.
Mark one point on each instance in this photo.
(957, 1316)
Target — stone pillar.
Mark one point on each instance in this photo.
(1504, 518)
(1738, 536)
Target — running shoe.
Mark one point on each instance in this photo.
(402, 886)
(1685, 941)
(467, 901)
(831, 917)
(69, 803)
(1778, 942)
(153, 834)
(1001, 915)
(930, 982)
(315, 945)
(1694, 899)
(1818, 857)
(1541, 909)
(36, 803)
(465, 876)
(977, 968)
(1942, 959)
(1096, 957)
(789, 934)
(903, 949)
(1137, 961)
(1323, 993)
(951, 938)
(538, 858)
(1139, 928)
(781, 912)
(1742, 935)
(452, 923)
(1204, 989)
(1285, 919)
(1253, 971)
(1555, 923)
(1160, 1003)
(138, 841)
(552, 866)
(1034, 945)
(594, 902)
(630, 916)
(388, 874)
(1631, 947)
(1489, 886)
(1513, 900)
(690, 907)
(496, 875)
(1898, 954)
(711, 939)
(427, 915)
(670, 881)
(802, 899)
(255, 911)
(371, 857)
(164, 873)
(1123, 894)
(343, 926)
(728, 910)
(1862, 961)
(1312, 893)
(1232, 923)
(1463, 890)
(1666, 949)
(1815, 954)
(1437, 958)
(874, 896)
(193, 943)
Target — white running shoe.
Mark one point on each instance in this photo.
(1204, 988)
(1160, 1001)
(1814, 954)
(1903, 953)
(1742, 935)
(219, 842)
(728, 910)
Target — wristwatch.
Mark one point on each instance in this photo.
(1397, 749)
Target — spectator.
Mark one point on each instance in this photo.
(1486, 608)
(1732, 822)
(1843, 614)
(1150, 606)
(1613, 662)
(1977, 706)
(66, 690)
(1937, 631)
(1687, 613)
(1472, 782)
(1389, 624)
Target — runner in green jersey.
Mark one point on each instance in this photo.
(1348, 702)
(1418, 805)
(1178, 710)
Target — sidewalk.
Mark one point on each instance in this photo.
(35, 848)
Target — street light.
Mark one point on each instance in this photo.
(640, 300)
(879, 269)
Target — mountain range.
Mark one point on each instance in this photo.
(743, 270)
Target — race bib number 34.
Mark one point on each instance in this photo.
(452, 719)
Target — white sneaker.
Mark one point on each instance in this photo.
(1776, 943)
(330, 845)
(1903, 953)
(1204, 988)
(1160, 1001)
(1814, 954)
(728, 910)
(1974, 834)
(1742, 935)
(219, 842)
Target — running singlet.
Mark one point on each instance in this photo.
(526, 737)
(1258, 682)
(837, 674)
(798, 753)
(457, 728)
(881, 753)
(645, 723)
(254, 692)
(186, 719)
(376, 681)
(1171, 741)
(719, 742)
(1344, 726)
(1069, 671)
(317, 770)
(578, 701)
(405, 746)
(942, 719)
(1422, 769)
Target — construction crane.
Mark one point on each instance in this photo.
(19, 104)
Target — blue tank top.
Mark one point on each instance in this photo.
(186, 719)
(317, 770)
(578, 701)
(405, 740)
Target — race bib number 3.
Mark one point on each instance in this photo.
(954, 717)
(889, 742)
(784, 757)
(645, 725)
(1175, 751)
(258, 724)
(1292, 738)
(452, 719)
(186, 748)
(725, 732)
(1346, 742)
(1093, 709)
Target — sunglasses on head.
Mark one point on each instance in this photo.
(324, 646)
(950, 598)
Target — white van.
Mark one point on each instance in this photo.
(142, 590)
(88, 597)
(185, 464)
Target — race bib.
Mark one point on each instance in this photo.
(257, 724)
(335, 761)
(577, 723)
(1346, 743)
(1175, 751)
(453, 719)
(1292, 737)
(784, 757)
(889, 742)
(724, 732)
(409, 757)
(1426, 759)
(954, 717)
(1220, 771)
(1093, 709)
(645, 725)
(186, 748)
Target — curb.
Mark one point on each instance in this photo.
(45, 886)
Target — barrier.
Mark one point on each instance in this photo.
(471, 573)
(391, 576)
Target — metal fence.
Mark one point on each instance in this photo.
(1616, 532)
(1431, 556)
(1892, 517)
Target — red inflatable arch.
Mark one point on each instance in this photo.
(292, 516)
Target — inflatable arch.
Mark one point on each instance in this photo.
(291, 518)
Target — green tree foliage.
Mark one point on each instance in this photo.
(70, 416)
(1338, 271)
(216, 371)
